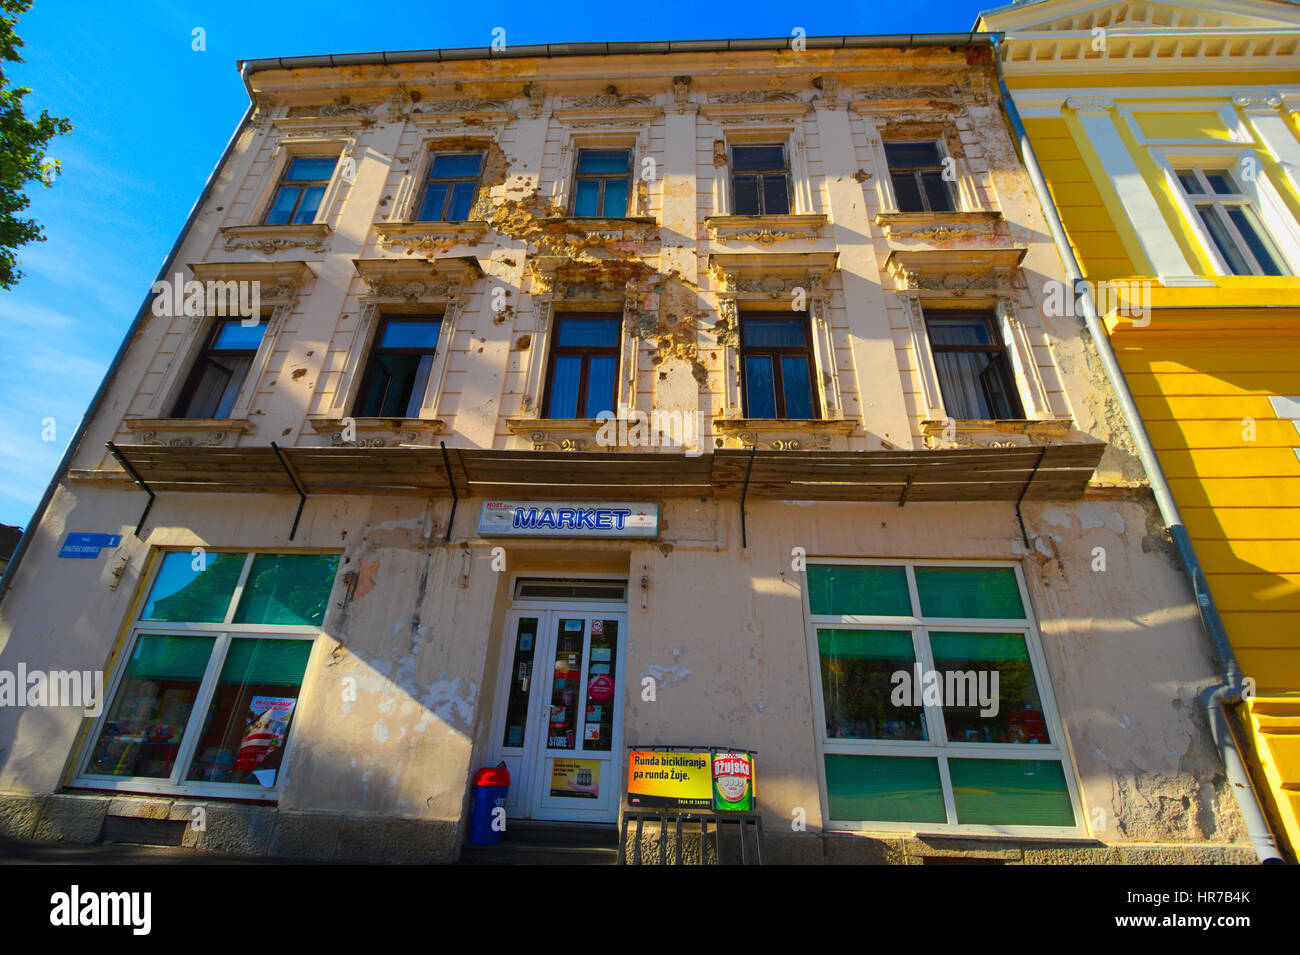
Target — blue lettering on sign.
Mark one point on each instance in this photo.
(577, 518)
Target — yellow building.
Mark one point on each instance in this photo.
(1168, 136)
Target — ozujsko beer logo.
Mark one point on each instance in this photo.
(732, 775)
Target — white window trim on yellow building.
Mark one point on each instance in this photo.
(1259, 192)
(935, 747)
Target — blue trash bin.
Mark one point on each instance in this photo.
(490, 785)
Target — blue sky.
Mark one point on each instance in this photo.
(152, 116)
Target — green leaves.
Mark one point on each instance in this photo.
(23, 141)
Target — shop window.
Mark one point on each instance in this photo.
(450, 187)
(208, 694)
(396, 378)
(602, 180)
(971, 361)
(934, 705)
(218, 375)
(776, 367)
(300, 190)
(760, 180)
(917, 172)
(583, 366)
(1231, 222)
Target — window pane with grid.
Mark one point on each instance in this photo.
(298, 196)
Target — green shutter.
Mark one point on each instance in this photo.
(858, 590)
(988, 593)
(183, 594)
(158, 657)
(884, 789)
(290, 589)
(866, 644)
(1011, 792)
(278, 662)
(961, 647)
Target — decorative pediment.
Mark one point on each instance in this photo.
(755, 104)
(429, 237)
(270, 239)
(187, 432)
(376, 432)
(278, 282)
(784, 434)
(1084, 15)
(956, 272)
(908, 230)
(771, 275)
(417, 280)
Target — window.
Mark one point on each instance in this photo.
(974, 375)
(218, 376)
(584, 365)
(760, 180)
(776, 367)
(916, 171)
(396, 378)
(450, 188)
(934, 706)
(297, 198)
(1233, 226)
(601, 182)
(208, 692)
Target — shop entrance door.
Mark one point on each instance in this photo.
(558, 724)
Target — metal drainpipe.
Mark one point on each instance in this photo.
(30, 531)
(1214, 698)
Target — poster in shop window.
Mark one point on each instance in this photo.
(575, 778)
(265, 733)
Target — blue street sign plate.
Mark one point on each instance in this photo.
(88, 545)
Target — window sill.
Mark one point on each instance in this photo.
(784, 434)
(430, 236)
(379, 432)
(994, 433)
(269, 239)
(932, 228)
(187, 432)
(764, 230)
(605, 228)
(558, 434)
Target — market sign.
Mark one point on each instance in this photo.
(701, 781)
(87, 546)
(568, 519)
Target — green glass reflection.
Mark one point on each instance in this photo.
(857, 684)
(884, 789)
(857, 590)
(988, 593)
(288, 589)
(968, 662)
(193, 588)
(1011, 792)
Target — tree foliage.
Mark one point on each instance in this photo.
(23, 141)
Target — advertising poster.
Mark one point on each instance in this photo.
(575, 778)
(267, 727)
(663, 780)
(733, 782)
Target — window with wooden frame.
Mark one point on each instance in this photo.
(974, 373)
(218, 374)
(935, 705)
(760, 180)
(301, 188)
(916, 171)
(450, 187)
(1231, 222)
(776, 361)
(602, 181)
(583, 370)
(205, 696)
(396, 378)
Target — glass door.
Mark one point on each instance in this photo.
(580, 686)
(519, 721)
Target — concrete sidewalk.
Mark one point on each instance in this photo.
(36, 852)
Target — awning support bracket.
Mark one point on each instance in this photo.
(1024, 535)
(451, 483)
(117, 455)
(744, 538)
(907, 489)
(293, 476)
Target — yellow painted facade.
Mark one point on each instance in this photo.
(1120, 100)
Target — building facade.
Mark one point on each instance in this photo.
(532, 408)
(1169, 136)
